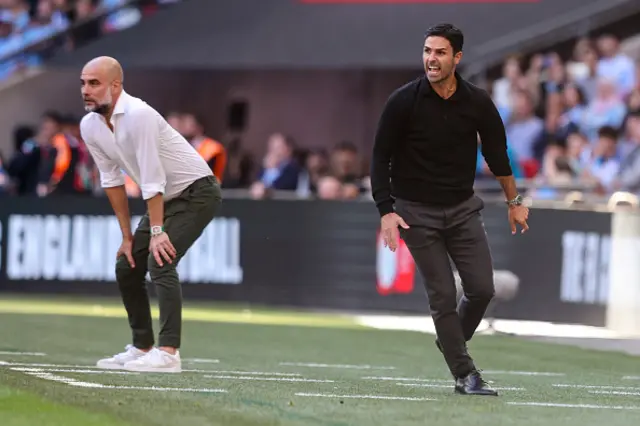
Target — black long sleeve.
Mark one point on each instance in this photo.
(493, 138)
(391, 131)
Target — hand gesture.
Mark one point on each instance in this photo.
(518, 215)
(125, 249)
(389, 227)
(161, 247)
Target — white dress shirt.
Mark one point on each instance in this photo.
(145, 146)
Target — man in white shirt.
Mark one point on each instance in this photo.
(123, 133)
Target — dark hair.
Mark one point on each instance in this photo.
(608, 132)
(346, 146)
(450, 32)
(52, 115)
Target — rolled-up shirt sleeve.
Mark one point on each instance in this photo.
(146, 137)
(111, 174)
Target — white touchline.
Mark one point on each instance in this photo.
(23, 353)
(407, 379)
(60, 370)
(549, 404)
(77, 383)
(201, 360)
(355, 367)
(66, 380)
(398, 398)
(631, 378)
(596, 387)
(89, 367)
(250, 373)
(435, 385)
(603, 392)
(522, 373)
(28, 364)
(270, 379)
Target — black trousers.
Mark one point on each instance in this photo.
(435, 234)
(185, 217)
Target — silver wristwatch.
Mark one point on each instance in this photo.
(156, 230)
(517, 201)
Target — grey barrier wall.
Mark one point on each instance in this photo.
(317, 254)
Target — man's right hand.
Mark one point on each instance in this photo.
(125, 249)
(389, 226)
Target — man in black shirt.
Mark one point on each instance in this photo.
(422, 176)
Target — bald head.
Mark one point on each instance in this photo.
(106, 67)
(101, 80)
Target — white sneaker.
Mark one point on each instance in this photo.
(118, 361)
(156, 361)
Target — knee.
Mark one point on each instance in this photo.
(442, 301)
(157, 272)
(482, 294)
(125, 274)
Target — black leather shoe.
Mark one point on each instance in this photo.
(474, 384)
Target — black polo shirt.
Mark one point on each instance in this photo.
(425, 147)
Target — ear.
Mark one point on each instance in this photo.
(457, 57)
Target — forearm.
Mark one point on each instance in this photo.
(509, 187)
(120, 204)
(155, 207)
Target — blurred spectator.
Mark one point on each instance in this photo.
(614, 65)
(65, 164)
(606, 109)
(240, 165)
(577, 151)
(588, 81)
(505, 87)
(575, 104)
(578, 66)
(345, 163)
(331, 188)
(603, 163)
(88, 28)
(212, 151)
(523, 128)
(279, 170)
(317, 166)
(629, 177)
(26, 164)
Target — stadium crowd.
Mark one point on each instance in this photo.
(567, 120)
(32, 25)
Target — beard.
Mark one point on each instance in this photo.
(102, 109)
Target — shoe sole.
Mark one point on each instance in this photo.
(153, 369)
(110, 366)
(459, 392)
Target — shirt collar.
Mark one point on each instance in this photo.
(462, 91)
(121, 104)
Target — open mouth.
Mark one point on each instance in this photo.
(433, 69)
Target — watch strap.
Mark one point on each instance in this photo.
(517, 201)
(156, 230)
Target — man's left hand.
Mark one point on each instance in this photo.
(518, 215)
(161, 247)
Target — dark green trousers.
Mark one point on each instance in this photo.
(185, 217)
